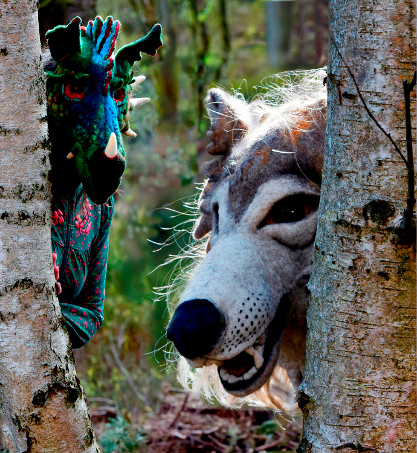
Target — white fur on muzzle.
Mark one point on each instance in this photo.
(244, 290)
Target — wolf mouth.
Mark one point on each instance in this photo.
(249, 370)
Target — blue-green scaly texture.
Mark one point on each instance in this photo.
(88, 99)
(88, 91)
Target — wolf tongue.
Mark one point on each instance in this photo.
(240, 364)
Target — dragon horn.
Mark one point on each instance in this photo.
(137, 102)
(130, 53)
(111, 148)
(137, 81)
(64, 40)
(129, 133)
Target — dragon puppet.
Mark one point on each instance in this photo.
(89, 102)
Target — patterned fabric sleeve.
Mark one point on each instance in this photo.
(84, 314)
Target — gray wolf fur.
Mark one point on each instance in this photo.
(241, 321)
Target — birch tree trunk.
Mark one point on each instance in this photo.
(358, 393)
(42, 400)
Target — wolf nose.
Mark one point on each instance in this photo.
(195, 328)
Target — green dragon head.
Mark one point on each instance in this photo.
(88, 92)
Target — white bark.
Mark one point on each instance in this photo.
(42, 400)
(358, 393)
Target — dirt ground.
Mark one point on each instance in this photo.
(185, 425)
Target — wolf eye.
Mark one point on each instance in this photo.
(119, 95)
(291, 209)
(74, 91)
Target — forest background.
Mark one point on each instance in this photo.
(206, 43)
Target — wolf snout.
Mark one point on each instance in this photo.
(196, 327)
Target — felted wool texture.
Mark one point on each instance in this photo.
(89, 101)
(247, 271)
(275, 151)
(80, 238)
(88, 93)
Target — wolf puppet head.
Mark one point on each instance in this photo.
(88, 92)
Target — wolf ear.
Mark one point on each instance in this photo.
(229, 121)
(130, 53)
(311, 145)
(64, 40)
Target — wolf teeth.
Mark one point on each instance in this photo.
(224, 374)
(256, 352)
(259, 348)
(231, 379)
(261, 339)
(257, 356)
(250, 373)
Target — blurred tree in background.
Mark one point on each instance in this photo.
(206, 42)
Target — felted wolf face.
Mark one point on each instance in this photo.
(88, 92)
(243, 314)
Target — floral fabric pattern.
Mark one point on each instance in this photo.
(80, 238)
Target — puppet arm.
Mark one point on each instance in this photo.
(84, 313)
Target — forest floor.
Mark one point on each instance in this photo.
(185, 425)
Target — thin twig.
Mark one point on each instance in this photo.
(209, 444)
(177, 415)
(102, 400)
(366, 107)
(219, 445)
(270, 445)
(126, 373)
